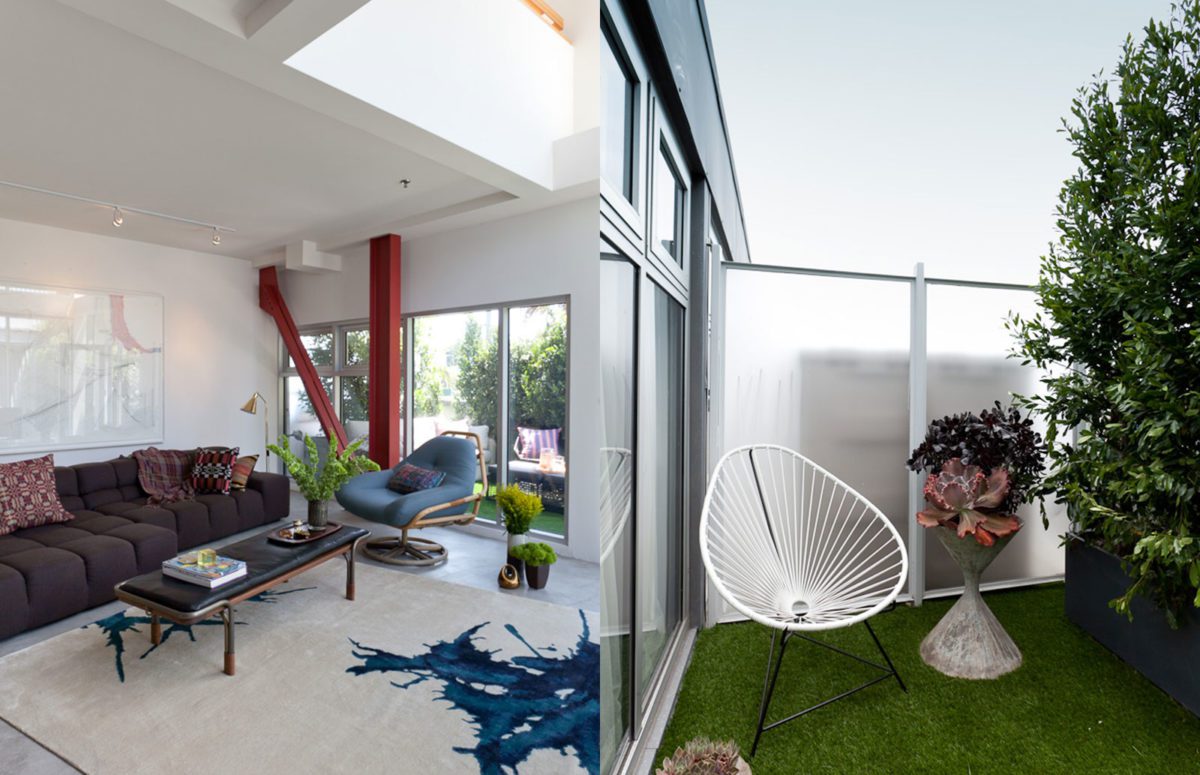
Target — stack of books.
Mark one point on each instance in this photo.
(223, 571)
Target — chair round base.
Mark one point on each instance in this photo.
(405, 550)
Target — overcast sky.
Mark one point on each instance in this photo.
(873, 135)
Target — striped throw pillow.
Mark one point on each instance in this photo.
(242, 470)
(531, 442)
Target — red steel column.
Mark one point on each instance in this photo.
(383, 402)
(270, 298)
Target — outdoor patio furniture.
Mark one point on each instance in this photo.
(457, 454)
(792, 547)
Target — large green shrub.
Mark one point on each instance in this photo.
(1119, 324)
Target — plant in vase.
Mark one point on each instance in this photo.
(517, 511)
(701, 756)
(318, 483)
(537, 558)
(970, 494)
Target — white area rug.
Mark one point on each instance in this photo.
(415, 676)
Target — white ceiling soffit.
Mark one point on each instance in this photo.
(94, 112)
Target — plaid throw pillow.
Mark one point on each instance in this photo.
(213, 472)
(409, 478)
(531, 442)
(28, 496)
(241, 471)
(165, 474)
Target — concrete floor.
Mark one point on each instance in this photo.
(474, 561)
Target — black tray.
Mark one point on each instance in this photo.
(283, 535)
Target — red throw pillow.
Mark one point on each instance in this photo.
(213, 472)
(28, 496)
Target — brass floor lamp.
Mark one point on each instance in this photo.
(251, 407)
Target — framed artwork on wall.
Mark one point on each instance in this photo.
(79, 368)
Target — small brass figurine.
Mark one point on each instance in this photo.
(509, 578)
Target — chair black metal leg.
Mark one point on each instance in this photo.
(769, 685)
(773, 665)
(886, 658)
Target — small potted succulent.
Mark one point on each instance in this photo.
(318, 483)
(517, 512)
(537, 558)
(980, 469)
(701, 756)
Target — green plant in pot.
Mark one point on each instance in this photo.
(537, 558)
(518, 509)
(980, 468)
(318, 483)
(1118, 324)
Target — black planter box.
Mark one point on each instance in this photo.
(1167, 657)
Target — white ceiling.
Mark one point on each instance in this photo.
(148, 104)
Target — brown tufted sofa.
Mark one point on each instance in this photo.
(53, 571)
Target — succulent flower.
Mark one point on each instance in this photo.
(963, 498)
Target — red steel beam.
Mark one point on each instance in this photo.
(270, 298)
(383, 396)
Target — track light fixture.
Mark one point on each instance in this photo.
(118, 212)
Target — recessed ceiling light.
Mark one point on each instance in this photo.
(404, 182)
(118, 217)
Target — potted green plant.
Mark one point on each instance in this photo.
(980, 468)
(517, 512)
(1117, 331)
(318, 483)
(537, 558)
(701, 756)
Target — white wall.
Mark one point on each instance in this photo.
(218, 346)
(550, 252)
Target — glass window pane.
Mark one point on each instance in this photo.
(668, 205)
(618, 296)
(354, 406)
(820, 365)
(969, 370)
(616, 151)
(358, 347)
(537, 408)
(319, 346)
(659, 542)
(299, 417)
(456, 382)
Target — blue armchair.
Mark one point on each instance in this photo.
(457, 454)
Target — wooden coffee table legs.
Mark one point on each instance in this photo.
(349, 555)
(155, 629)
(227, 617)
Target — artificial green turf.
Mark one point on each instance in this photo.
(1072, 707)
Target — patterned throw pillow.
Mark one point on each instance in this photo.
(409, 478)
(531, 442)
(242, 470)
(28, 496)
(165, 474)
(213, 472)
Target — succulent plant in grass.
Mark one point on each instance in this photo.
(701, 756)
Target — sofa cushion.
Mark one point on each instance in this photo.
(93, 477)
(29, 495)
(242, 468)
(213, 471)
(52, 535)
(55, 583)
(151, 544)
(107, 561)
(150, 515)
(191, 522)
(250, 508)
(14, 614)
(97, 523)
(14, 543)
(222, 515)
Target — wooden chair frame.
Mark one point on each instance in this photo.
(403, 550)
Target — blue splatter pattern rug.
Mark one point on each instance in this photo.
(413, 676)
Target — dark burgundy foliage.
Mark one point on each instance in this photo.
(994, 437)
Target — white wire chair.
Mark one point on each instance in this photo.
(792, 547)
